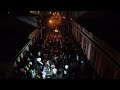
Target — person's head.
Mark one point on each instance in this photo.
(39, 59)
(48, 62)
(30, 63)
(53, 66)
(28, 59)
(31, 54)
(66, 66)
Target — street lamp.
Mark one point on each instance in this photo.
(50, 21)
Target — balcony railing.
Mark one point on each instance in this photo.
(112, 55)
(33, 38)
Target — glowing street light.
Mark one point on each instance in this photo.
(56, 30)
(50, 21)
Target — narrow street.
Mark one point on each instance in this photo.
(56, 55)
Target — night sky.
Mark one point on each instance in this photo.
(13, 37)
(104, 25)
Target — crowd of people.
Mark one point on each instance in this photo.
(51, 59)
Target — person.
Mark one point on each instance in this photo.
(39, 54)
(52, 65)
(66, 71)
(66, 67)
(46, 71)
(37, 76)
(30, 63)
(40, 63)
(55, 59)
(31, 57)
(77, 57)
(33, 73)
(44, 75)
(28, 59)
(39, 60)
(27, 67)
(54, 71)
(82, 64)
(22, 73)
(48, 63)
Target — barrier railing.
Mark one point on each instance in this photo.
(23, 50)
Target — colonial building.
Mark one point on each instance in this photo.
(103, 58)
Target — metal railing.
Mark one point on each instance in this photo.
(112, 55)
(25, 48)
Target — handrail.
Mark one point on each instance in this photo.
(22, 50)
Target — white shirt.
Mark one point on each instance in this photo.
(54, 71)
(77, 57)
(65, 72)
(39, 60)
(44, 75)
(48, 63)
(55, 58)
(81, 61)
(30, 63)
(52, 66)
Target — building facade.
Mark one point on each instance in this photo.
(104, 59)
